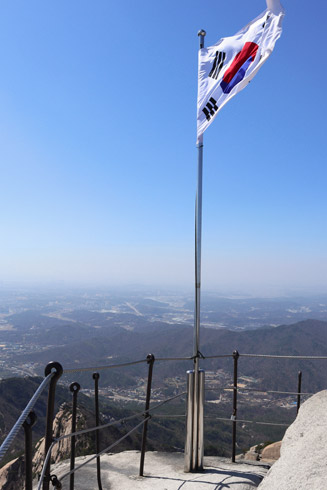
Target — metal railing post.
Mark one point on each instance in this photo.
(299, 387)
(150, 360)
(96, 377)
(52, 366)
(74, 388)
(28, 424)
(236, 355)
(189, 422)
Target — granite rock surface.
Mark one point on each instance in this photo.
(303, 461)
(162, 471)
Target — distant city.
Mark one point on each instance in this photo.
(95, 328)
(217, 311)
(30, 318)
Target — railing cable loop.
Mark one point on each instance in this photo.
(55, 482)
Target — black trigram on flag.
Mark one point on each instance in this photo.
(265, 22)
(217, 64)
(210, 108)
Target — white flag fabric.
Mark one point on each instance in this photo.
(228, 66)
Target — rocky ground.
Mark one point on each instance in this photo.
(163, 471)
(301, 465)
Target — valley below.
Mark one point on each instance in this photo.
(94, 331)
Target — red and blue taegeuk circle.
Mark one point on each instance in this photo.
(240, 64)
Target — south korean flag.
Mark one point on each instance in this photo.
(228, 66)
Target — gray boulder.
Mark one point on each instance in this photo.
(302, 463)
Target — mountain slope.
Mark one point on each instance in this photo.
(306, 338)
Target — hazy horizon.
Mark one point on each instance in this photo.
(152, 289)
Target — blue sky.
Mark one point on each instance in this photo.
(98, 156)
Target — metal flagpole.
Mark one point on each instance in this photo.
(197, 462)
(198, 236)
(193, 459)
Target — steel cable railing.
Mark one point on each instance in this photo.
(107, 448)
(243, 421)
(266, 392)
(145, 413)
(100, 368)
(149, 411)
(174, 358)
(219, 356)
(272, 392)
(48, 455)
(168, 416)
(123, 420)
(160, 404)
(24, 415)
(242, 391)
(115, 422)
(268, 356)
(272, 356)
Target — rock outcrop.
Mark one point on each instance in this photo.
(250, 455)
(271, 453)
(302, 464)
(62, 426)
(12, 475)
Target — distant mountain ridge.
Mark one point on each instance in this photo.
(306, 338)
(116, 345)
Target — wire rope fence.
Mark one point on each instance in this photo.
(24, 416)
(54, 371)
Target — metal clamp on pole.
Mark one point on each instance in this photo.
(189, 422)
(200, 447)
(194, 440)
